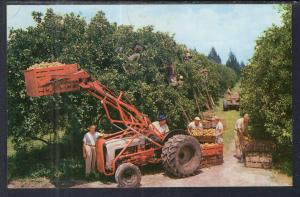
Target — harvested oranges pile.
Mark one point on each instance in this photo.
(204, 132)
(44, 65)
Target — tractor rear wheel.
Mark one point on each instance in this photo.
(181, 156)
(128, 175)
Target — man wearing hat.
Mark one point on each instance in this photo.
(161, 125)
(196, 124)
(219, 130)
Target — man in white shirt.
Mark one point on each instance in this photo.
(241, 129)
(219, 130)
(161, 125)
(89, 149)
(196, 124)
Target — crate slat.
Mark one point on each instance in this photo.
(34, 78)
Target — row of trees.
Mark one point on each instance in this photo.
(102, 48)
(266, 88)
(231, 62)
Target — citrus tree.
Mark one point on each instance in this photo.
(93, 46)
(266, 88)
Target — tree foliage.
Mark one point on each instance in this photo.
(70, 39)
(266, 86)
(233, 63)
(214, 56)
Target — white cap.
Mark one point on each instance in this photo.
(197, 118)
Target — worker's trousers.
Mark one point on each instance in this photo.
(238, 148)
(90, 160)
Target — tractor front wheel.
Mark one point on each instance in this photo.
(128, 175)
(181, 156)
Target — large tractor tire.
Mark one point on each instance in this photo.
(181, 156)
(128, 175)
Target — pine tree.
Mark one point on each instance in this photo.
(233, 63)
(213, 55)
(242, 64)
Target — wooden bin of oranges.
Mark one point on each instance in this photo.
(38, 79)
(253, 145)
(204, 136)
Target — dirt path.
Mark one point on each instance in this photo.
(231, 173)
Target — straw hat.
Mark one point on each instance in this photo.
(197, 118)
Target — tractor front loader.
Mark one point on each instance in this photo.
(136, 143)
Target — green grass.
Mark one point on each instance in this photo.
(228, 118)
(10, 148)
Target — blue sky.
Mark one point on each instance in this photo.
(200, 26)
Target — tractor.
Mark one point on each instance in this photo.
(136, 143)
(231, 101)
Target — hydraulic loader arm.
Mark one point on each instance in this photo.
(128, 115)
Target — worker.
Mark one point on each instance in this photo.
(89, 149)
(161, 125)
(196, 124)
(171, 75)
(229, 91)
(170, 72)
(138, 48)
(187, 55)
(241, 129)
(134, 57)
(219, 130)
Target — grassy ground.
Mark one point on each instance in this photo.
(228, 118)
(10, 148)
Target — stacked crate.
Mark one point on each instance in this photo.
(212, 154)
(207, 119)
(257, 152)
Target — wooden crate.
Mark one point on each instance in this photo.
(208, 115)
(207, 124)
(208, 161)
(203, 137)
(251, 145)
(206, 139)
(36, 80)
(212, 149)
(258, 160)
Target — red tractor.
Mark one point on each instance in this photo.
(136, 143)
(231, 101)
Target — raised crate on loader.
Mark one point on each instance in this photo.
(39, 81)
